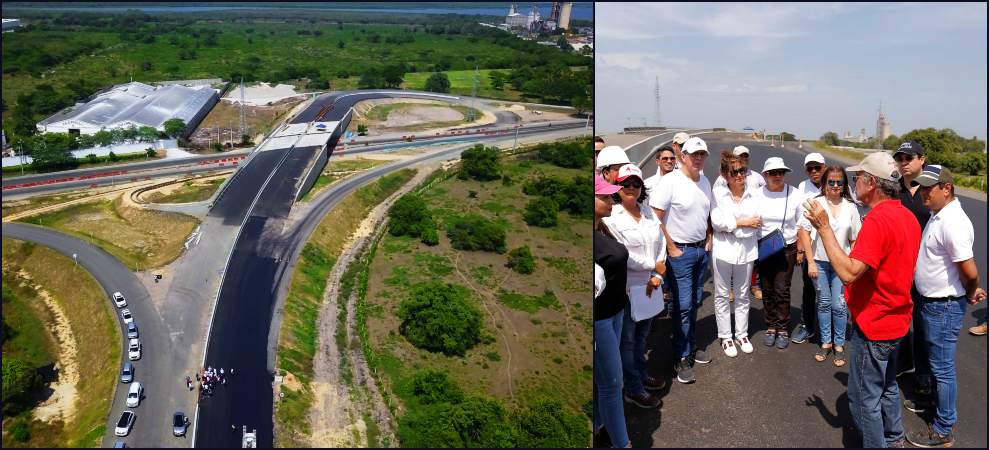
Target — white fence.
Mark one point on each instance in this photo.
(118, 149)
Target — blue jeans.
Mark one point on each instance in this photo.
(830, 304)
(686, 290)
(633, 347)
(873, 395)
(608, 408)
(942, 323)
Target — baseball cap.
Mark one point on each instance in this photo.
(775, 163)
(612, 155)
(628, 170)
(934, 174)
(814, 157)
(680, 138)
(879, 164)
(694, 145)
(740, 150)
(911, 147)
(602, 187)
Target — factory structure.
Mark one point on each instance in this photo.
(559, 18)
(136, 105)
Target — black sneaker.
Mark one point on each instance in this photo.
(902, 443)
(701, 356)
(802, 334)
(930, 439)
(653, 383)
(685, 373)
(643, 400)
(919, 405)
(782, 340)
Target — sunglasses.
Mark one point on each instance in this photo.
(776, 173)
(814, 168)
(903, 157)
(668, 158)
(834, 183)
(739, 171)
(635, 184)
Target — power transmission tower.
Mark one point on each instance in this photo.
(243, 130)
(656, 93)
(473, 96)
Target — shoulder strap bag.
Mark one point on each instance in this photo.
(773, 243)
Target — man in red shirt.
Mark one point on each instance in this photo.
(878, 274)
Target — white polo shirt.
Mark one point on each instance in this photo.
(948, 239)
(687, 205)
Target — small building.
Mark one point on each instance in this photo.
(11, 24)
(134, 104)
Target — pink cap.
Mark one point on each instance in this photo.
(602, 187)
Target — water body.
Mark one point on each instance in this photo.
(581, 11)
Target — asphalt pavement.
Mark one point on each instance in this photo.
(784, 398)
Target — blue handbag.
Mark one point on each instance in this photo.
(773, 243)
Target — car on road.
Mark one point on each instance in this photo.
(179, 423)
(126, 315)
(119, 444)
(125, 423)
(119, 299)
(134, 394)
(132, 330)
(134, 350)
(127, 373)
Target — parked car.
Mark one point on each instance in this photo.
(127, 373)
(119, 444)
(132, 330)
(125, 314)
(119, 299)
(125, 423)
(134, 394)
(179, 423)
(134, 350)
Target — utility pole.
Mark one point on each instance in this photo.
(656, 93)
(242, 130)
(516, 137)
(473, 96)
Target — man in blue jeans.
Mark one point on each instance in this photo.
(946, 276)
(878, 274)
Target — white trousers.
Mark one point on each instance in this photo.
(736, 278)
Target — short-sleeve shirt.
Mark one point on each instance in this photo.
(687, 204)
(612, 256)
(879, 301)
(780, 210)
(915, 203)
(948, 240)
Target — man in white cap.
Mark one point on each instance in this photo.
(809, 188)
(753, 180)
(610, 159)
(683, 202)
(678, 140)
(877, 274)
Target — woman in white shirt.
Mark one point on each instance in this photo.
(736, 224)
(843, 215)
(636, 226)
(779, 206)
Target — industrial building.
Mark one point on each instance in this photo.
(11, 24)
(883, 129)
(134, 104)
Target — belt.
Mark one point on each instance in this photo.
(692, 244)
(941, 299)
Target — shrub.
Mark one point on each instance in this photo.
(541, 212)
(480, 163)
(430, 237)
(432, 386)
(410, 216)
(440, 317)
(476, 422)
(473, 232)
(113, 157)
(150, 152)
(520, 260)
(547, 424)
(437, 82)
(20, 430)
(573, 154)
(18, 380)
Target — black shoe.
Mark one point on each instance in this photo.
(653, 383)
(902, 443)
(930, 439)
(602, 439)
(644, 400)
(919, 405)
(685, 373)
(701, 357)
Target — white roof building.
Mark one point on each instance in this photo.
(134, 104)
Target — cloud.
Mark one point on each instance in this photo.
(787, 89)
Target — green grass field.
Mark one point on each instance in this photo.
(461, 82)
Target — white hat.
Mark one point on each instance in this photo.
(693, 145)
(740, 150)
(879, 164)
(680, 138)
(628, 170)
(612, 155)
(775, 163)
(814, 157)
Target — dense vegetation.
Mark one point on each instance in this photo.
(474, 232)
(942, 146)
(480, 163)
(440, 318)
(520, 260)
(410, 216)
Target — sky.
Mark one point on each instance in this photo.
(804, 68)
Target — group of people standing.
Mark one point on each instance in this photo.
(673, 231)
(210, 378)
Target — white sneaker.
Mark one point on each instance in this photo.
(729, 347)
(745, 344)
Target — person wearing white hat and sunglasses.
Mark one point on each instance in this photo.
(609, 160)
(779, 205)
(684, 202)
(809, 188)
(637, 227)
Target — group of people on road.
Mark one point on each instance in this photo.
(868, 279)
(209, 378)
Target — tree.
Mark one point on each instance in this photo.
(433, 386)
(480, 163)
(341, 45)
(830, 138)
(541, 212)
(113, 157)
(520, 260)
(548, 424)
(476, 422)
(973, 163)
(788, 137)
(410, 216)
(146, 66)
(440, 317)
(174, 127)
(371, 79)
(582, 103)
(497, 79)
(473, 232)
(563, 44)
(147, 134)
(150, 152)
(891, 142)
(437, 82)
(361, 129)
(18, 380)
(393, 75)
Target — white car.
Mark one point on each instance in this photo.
(119, 299)
(125, 423)
(125, 314)
(134, 394)
(134, 349)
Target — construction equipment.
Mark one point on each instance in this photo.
(249, 440)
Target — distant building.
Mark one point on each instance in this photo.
(134, 104)
(514, 19)
(564, 20)
(533, 20)
(11, 24)
(882, 127)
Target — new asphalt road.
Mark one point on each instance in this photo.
(784, 398)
